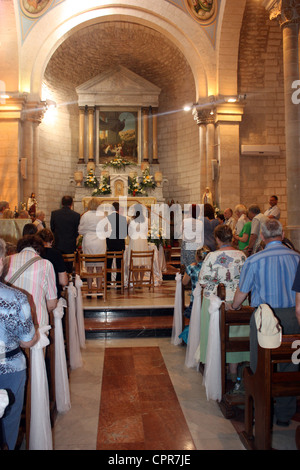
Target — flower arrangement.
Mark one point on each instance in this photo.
(156, 235)
(118, 162)
(91, 181)
(147, 180)
(104, 187)
(134, 187)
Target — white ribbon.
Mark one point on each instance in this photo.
(212, 371)
(62, 392)
(75, 354)
(4, 401)
(40, 425)
(79, 312)
(194, 330)
(177, 316)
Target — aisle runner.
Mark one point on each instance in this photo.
(139, 408)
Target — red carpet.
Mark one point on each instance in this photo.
(139, 408)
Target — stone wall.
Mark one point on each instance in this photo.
(58, 150)
(261, 79)
(135, 47)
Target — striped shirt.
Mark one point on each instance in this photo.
(38, 282)
(269, 276)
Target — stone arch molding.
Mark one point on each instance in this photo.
(51, 31)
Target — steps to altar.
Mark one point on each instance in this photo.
(143, 313)
(127, 322)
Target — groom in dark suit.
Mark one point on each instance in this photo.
(64, 224)
(116, 241)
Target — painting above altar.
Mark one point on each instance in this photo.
(118, 134)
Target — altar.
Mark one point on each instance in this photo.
(118, 184)
(118, 140)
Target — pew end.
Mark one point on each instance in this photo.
(262, 387)
(228, 318)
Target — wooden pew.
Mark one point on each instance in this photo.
(231, 344)
(262, 387)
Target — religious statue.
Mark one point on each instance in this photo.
(32, 205)
(207, 197)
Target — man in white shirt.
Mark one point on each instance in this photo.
(273, 212)
(229, 219)
(257, 219)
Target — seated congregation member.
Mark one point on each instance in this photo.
(16, 331)
(37, 281)
(269, 275)
(221, 266)
(55, 257)
(92, 244)
(210, 224)
(192, 235)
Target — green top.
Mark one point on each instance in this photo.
(245, 229)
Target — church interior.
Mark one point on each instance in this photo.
(192, 94)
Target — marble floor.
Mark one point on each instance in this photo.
(204, 426)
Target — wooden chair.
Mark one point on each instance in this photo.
(84, 261)
(71, 261)
(231, 344)
(263, 386)
(135, 270)
(115, 255)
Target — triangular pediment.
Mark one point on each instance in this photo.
(118, 85)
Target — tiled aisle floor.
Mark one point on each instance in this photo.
(78, 429)
(139, 408)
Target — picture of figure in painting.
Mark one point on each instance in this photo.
(118, 135)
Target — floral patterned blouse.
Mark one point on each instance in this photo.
(221, 266)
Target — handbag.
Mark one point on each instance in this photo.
(23, 268)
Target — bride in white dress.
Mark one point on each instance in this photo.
(92, 244)
(138, 235)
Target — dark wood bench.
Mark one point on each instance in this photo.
(262, 387)
(230, 318)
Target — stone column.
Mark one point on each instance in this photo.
(210, 153)
(81, 135)
(205, 122)
(228, 117)
(154, 130)
(145, 134)
(91, 134)
(287, 13)
(32, 117)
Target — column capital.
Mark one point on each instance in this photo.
(284, 11)
(203, 116)
(34, 111)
